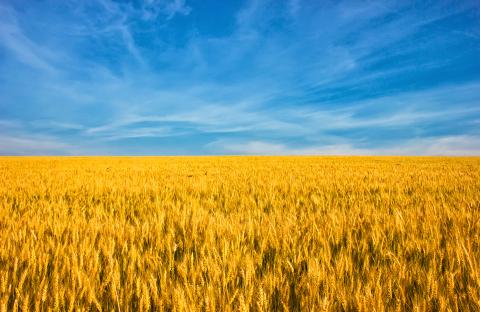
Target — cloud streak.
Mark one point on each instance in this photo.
(463, 145)
(268, 77)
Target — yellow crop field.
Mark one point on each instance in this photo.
(239, 234)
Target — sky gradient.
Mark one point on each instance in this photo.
(182, 77)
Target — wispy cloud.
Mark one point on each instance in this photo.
(462, 145)
(32, 145)
(177, 7)
(291, 77)
(21, 47)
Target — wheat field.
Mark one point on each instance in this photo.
(239, 234)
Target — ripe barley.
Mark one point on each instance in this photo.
(15, 305)
(261, 299)
(71, 301)
(26, 303)
(4, 304)
(44, 290)
(366, 233)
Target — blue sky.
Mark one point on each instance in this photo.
(170, 77)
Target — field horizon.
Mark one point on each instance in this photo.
(243, 155)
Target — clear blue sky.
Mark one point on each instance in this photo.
(239, 77)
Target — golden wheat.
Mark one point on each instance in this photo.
(239, 233)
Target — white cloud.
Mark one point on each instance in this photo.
(32, 145)
(454, 145)
(24, 49)
(269, 148)
(177, 7)
(130, 44)
(253, 82)
(461, 145)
